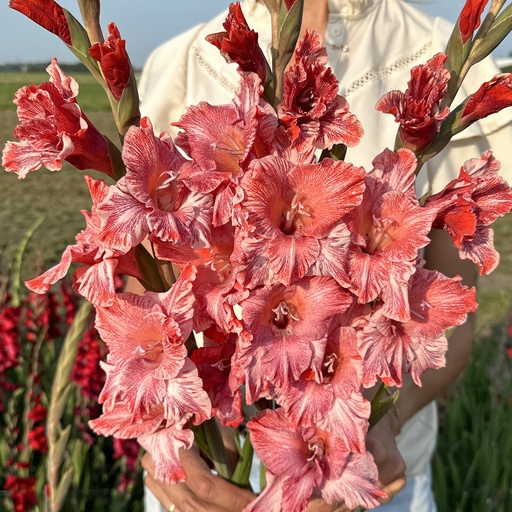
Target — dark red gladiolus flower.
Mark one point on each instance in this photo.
(113, 60)
(239, 43)
(46, 13)
(492, 97)
(22, 491)
(417, 109)
(37, 439)
(469, 18)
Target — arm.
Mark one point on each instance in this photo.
(443, 256)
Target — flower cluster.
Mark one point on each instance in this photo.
(272, 267)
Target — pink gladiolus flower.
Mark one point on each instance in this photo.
(151, 198)
(492, 97)
(215, 288)
(95, 278)
(467, 207)
(469, 18)
(223, 139)
(146, 337)
(417, 110)
(113, 60)
(392, 227)
(162, 441)
(221, 379)
(239, 43)
(307, 461)
(289, 210)
(312, 112)
(54, 129)
(389, 348)
(47, 13)
(289, 326)
(331, 398)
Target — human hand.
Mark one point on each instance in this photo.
(202, 492)
(381, 443)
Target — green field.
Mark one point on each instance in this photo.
(91, 95)
(59, 197)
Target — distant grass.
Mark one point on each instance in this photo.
(91, 96)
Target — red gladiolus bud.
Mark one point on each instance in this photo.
(239, 43)
(469, 19)
(114, 61)
(46, 13)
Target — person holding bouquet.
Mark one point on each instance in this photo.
(371, 46)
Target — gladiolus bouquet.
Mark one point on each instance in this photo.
(276, 272)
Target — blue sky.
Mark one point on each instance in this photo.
(144, 24)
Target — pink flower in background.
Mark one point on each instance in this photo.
(312, 112)
(162, 441)
(417, 110)
(222, 140)
(239, 43)
(53, 129)
(47, 13)
(146, 338)
(389, 227)
(114, 61)
(330, 397)
(215, 365)
(388, 348)
(492, 97)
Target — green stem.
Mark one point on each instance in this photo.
(216, 447)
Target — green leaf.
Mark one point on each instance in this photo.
(18, 260)
(500, 28)
(81, 45)
(151, 279)
(128, 107)
(337, 152)
(59, 446)
(115, 157)
(381, 404)
(216, 446)
(289, 30)
(62, 489)
(243, 468)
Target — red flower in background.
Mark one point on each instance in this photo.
(417, 109)
(22, 491)
(239, 43)
(53, 129)
(114, 61)
(47, 13)
(492, 97)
